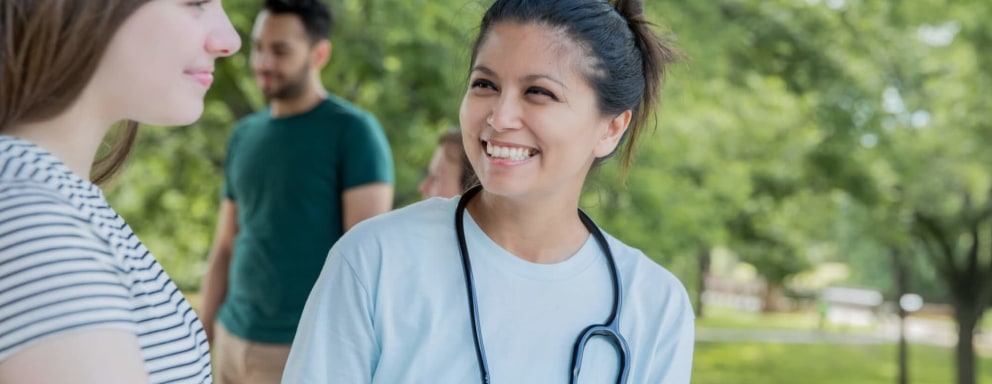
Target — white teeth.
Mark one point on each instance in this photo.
(515, 154)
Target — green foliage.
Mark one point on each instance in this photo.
(797, 132)
(775, 138)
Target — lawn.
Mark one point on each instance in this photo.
(746, 363)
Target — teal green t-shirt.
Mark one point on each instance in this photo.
(286, 175)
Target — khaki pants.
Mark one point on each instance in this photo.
(239, 361)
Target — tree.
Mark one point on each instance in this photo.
(897, 91)
(794, 123)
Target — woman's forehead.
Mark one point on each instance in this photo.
(515, 49)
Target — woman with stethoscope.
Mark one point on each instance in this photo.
(511, 283)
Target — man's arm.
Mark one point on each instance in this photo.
(364, 201)
(214, 287)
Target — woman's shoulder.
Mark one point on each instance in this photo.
(36, 219)
(421, 220)
(61, 274)
(417, 216)
(26, 198)
(398, 239)
(643, 276)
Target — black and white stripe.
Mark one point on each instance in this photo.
(69, 262)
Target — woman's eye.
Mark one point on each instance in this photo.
(542, 92)
(198, 4)
(482, 84)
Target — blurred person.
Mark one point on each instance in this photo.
(449, 172)
(298, 174)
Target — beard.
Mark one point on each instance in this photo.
(294, 86)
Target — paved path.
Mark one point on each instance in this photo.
(918, 331)
(785, 336)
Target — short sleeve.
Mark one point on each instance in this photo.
(226, 188)
(673, 354)
(367, 156)
(56, 276)
(335, 341)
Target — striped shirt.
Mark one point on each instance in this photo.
(68, 262)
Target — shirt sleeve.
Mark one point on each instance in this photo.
(226, 188)
(335, 341)
(57, 276)
(367, 156)
(674, 355)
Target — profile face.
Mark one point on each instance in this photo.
(444, 175)
(530, 120)
(281, 55)
(159, 64)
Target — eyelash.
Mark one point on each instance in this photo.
(482, 83)
(543, 92)
(540, 91)
(198, 4)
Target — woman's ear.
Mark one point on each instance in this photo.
(615, 129)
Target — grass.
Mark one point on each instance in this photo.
(745, 363)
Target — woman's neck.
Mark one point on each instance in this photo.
(545, 231)
(73, 137)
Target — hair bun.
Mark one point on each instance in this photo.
(629, 9)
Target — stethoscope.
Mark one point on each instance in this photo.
(609, 329)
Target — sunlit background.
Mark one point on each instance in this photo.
(814, 161)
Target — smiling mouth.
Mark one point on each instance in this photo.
(203, 77)
(508, 153)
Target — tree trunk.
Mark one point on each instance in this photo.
(969, 282)
(704, 271)
(967, 318)
(899, 271)
(770, 301)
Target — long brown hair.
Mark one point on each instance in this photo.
(49, 51)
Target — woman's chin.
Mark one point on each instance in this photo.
(178, 116)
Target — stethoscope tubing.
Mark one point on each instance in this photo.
(610, 329)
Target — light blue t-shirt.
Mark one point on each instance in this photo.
(390, 306)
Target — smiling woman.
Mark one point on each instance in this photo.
(524, 284)
(81, 299)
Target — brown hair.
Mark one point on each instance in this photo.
(454, 150)
(49, 51)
